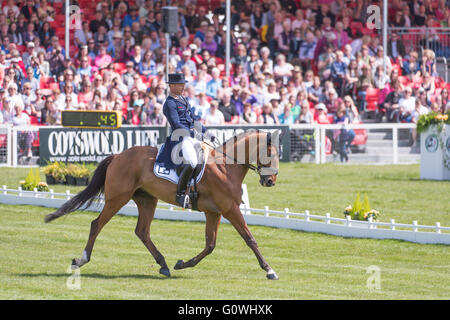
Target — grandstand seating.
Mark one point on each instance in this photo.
(372, 99)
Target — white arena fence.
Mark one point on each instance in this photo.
(380, 143)
(305, 221)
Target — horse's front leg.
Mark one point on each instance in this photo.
(237, 220)
(211, 229)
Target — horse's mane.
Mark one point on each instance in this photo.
(242, 135)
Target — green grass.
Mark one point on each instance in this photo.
(34, 256)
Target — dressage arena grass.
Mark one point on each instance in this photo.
(34, 257)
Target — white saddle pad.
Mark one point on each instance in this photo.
(171, 175)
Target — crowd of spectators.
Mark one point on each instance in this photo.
(299, 61)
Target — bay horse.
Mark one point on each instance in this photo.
(129, 175)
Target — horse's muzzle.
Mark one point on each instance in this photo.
(267, 181)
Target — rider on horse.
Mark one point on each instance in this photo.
(180, 116)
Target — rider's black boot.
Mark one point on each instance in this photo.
(185, 175)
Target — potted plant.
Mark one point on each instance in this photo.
(55, 173)
(30, 181)
(81, 175)
(42, 187)
(361, 211)
(60, 174)
(49, 171)
(70, 170)
(33, 181)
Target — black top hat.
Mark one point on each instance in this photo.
(176, 78)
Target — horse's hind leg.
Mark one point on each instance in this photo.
(238, 222)
(211, 229)
(146, 206)
(111, 207)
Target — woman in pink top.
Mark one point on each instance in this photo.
(103, 59)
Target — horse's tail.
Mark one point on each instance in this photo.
(88, 195)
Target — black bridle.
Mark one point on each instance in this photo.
(250, 166)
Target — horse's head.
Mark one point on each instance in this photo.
(268, 160)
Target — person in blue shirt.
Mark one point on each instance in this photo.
(133, 16)
(338, 71)
(214, 84)
(181, 118)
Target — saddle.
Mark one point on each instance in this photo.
(165, 169)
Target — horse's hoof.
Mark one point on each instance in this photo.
(271, 275)
(179, 265)
(75, 264)
(165, 271)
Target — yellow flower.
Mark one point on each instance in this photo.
(438, 117)
(445, 117)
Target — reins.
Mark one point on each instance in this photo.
(250, 166)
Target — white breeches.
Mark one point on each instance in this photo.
(191, 151)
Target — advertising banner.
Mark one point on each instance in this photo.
(93, 145)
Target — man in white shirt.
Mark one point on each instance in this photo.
(407, 105)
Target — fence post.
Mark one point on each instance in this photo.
(322, 145)
(68, 194)
(4, 189)
(286, 212)
(266, 211)
(35, 192)
(348, 221)
(438, 227)
(392, 224)
(307, 215)
(370, 220)
(14, 147)
(414, 226)
(327, 219)
(317, 141)
(395, 145)
(9, 146)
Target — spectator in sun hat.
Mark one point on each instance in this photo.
(115, 47)
(321, 115)
(186, 60)
(28, 54)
